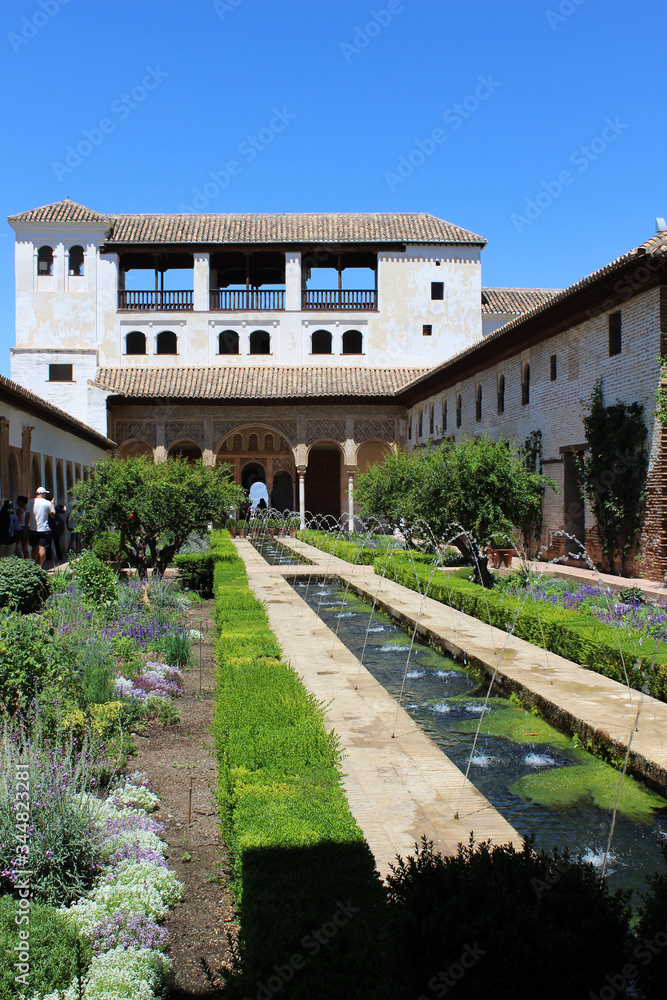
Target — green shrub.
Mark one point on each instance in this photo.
(196, 571)
(650, 935)
(24, 585)
(107, 546)
(97, 581)
(296, 851)
(511, 915)
(32, 654)
(54, 942)
(340, 547)
(580, 638)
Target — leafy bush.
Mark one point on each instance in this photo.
(340, 547)
(296, 851)
(577, 637)
(24, 586)
(32, 655)
(53, 949)
(504, 919)
(650, 933)
(196, 571)
(107, 546)
(97, 581)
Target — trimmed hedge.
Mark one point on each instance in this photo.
(310, 903)
(338, 547)
(576, 636)
(196, 570)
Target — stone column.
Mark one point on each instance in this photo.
(4, 457)
(293, 281)
(200, 295)
(159, 452)
(208, 455)
(24, 477)
(301, 470)
(350, 497)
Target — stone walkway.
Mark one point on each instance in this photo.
(574, 698)
(400, 786)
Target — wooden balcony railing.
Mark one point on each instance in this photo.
(247, 299)
(155, 301)
(344, 299)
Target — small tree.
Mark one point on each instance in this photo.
(155, 506)
(465, 491)
(613, 473)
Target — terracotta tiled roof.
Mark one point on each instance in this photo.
(261, 382)
(23, 398)
(292, 227)
(650, 257)
(514, 301)
(60, 211)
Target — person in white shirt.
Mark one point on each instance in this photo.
(40, 510)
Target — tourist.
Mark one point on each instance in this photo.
(58, 528)
(74, 536)
(22, 548)
(40, 511)
(9, 526)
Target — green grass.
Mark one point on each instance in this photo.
(296, 851)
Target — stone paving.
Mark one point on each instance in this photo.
(574, 698)
(399, 784)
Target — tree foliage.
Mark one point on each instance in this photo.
(613, 473)
(465, 492)
(154, 506)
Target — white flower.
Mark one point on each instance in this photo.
(120, 974)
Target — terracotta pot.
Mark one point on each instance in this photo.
(243, 532)
(272, 532)
(292, 532)
(115, 564)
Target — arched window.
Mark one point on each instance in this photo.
(253, 443)
(45, 261)
(444, 414)
(525, 385)
(268, 442)
(238, 443)
(421, 424)
(459, 409)
(166, 343)
(260, 342)
(228, 342)
(48, 475)
(501, 394)
(478, 402)
(135, 343)
(321, 342)
(76, 261)
(430, 420)
(352, 342)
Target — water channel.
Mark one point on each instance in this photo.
(540, 781)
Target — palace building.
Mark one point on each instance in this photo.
(299, 348)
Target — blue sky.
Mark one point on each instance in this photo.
(538, 123)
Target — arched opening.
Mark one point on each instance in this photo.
(371, 453)
(45, 261)
(185, 449)
(352, 342)
(282, 494)
(323, 479)
(135, 342)
(76, 261)
(253, 442)
(268, 442)
(478, 402)
(86, 474)
(420, 425)
(228, 342)
(444, 414)
(501, 393)
(13, 476)
(35, 475)
(321, 342)
(69, 481)
(237, 444)
(166, 343)
(260, 342)
(459, 409)
(252, 472)
(48, 475)
(60, 481)
(525, 385)
(77, 473)
(133, 449)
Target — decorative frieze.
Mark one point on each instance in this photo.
(131, 430)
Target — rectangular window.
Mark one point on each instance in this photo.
(437, 290)
(60, 373)
(427, 330)
(554, 368)
(614, 334)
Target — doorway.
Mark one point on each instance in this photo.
(574, 508)
(323, 481)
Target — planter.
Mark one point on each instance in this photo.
(500, 557)
(243, 533)
(232, 533)
(115, 564)
(292, 532)
(272, 532)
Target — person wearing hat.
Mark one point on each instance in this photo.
(40, 510)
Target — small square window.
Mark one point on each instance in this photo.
(553, 368)
(437, 290)
(614, 334)
(60, 373)
(427, 330)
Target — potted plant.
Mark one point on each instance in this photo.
(292, 524)
(271, 527)
(242, 528)
(501, 550)
(255, 526)
(232, 526)
(107, 548)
